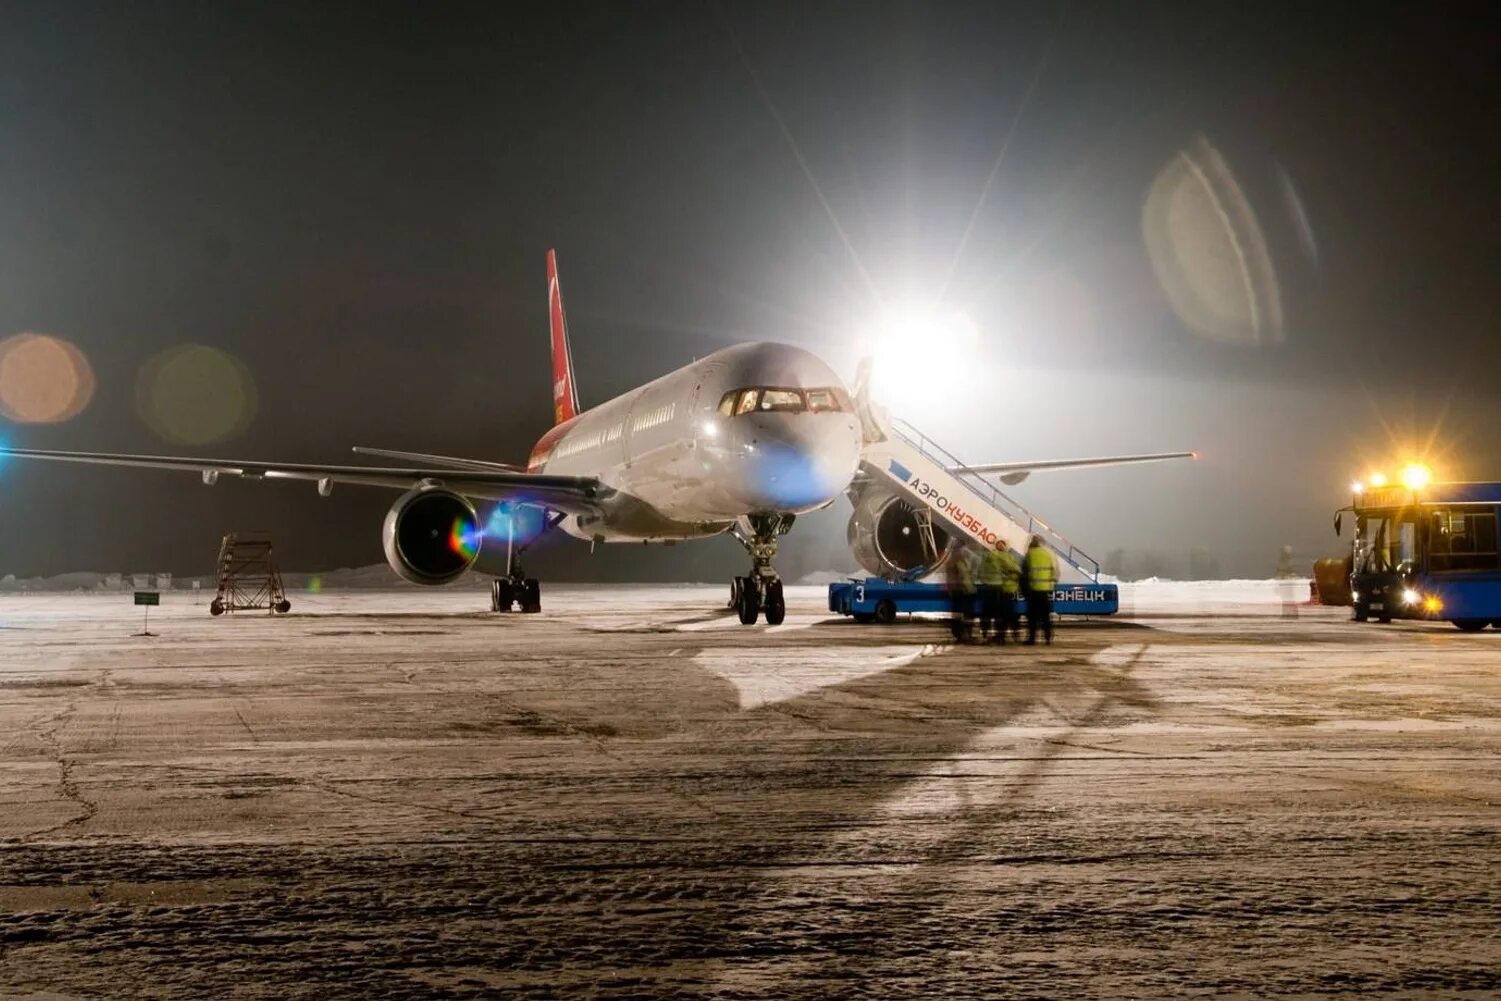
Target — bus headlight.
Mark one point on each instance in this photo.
(1410, 597)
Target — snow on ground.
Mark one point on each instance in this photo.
(397, 794)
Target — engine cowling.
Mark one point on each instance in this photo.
(889, 541)
(431, 536)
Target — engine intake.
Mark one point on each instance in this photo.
(889, 540)
(431, 536)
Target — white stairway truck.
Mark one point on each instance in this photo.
(914, 502)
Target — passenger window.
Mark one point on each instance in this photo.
(727, 404)
(782, 401)
(747, 401)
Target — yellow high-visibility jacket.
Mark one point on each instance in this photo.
(1041, 573)
(1001, 569)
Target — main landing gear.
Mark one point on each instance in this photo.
(516, 590)
(761, 591)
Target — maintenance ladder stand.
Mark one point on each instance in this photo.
(248, 578)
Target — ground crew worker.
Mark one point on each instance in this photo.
(1000, 578)
(1011, 586)
(1041, 576)
(961, 593)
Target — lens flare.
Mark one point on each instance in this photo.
(915, 347)
(43, 379)
(1209, 251)
(193, 395)
(1416, 476)
(464, 538)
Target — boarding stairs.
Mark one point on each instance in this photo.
(946, 492)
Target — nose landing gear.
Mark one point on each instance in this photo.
(761, 591)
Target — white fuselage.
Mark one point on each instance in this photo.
(676, 465)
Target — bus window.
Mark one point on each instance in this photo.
(1373, 547)
(782, 401)
(747, 401)
(1462, 540)
(1405, 543)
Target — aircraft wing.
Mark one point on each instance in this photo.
(573, 494)
(1015, 472)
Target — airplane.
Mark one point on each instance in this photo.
(742, 441)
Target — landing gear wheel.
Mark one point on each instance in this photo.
(500, 595)
(1469, 625)
(216, 607)
(1361, 613)
(775, 605)
(749, 605)
(736, 586)
(885, 612)
(531, 596)
(282, 607)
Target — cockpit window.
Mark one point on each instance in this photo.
(824, 400)
(782, 401)
(827, 399)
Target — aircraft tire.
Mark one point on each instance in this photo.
(1360, 613)
(501, 595)
(776, 605)
(531, 596)
(749, 605)
(736, 586)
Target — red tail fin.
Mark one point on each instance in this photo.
(565, 396)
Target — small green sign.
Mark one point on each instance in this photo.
(148, 598)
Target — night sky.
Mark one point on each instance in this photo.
(355, 203)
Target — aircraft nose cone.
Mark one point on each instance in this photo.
(790, 468)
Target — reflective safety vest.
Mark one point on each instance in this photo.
(1041, 574)
(1000, 569)
(961, 576)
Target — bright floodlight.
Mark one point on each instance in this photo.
(1357, 487)
(1378, 479)
(921, 352)
(1416, 476)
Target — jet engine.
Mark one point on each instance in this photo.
(891, 540)
(431, 536)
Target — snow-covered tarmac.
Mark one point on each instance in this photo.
(631, 795)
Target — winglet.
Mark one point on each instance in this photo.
(565, 397)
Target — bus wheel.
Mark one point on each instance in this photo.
(885, 612)
(1469, 625)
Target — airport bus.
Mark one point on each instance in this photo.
(1426, 551)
